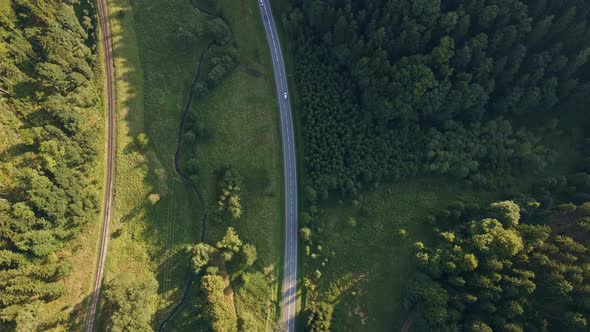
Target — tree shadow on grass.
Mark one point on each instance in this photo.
(139, 111)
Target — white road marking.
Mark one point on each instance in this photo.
(290, 279)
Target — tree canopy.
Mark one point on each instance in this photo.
(485, 275)
(51, 122)
(396, 88)
(217, 267)
(131, 303)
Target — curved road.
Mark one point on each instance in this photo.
(289, 302)
(110, 164)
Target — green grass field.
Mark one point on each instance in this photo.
(370, 258)
(241, 119)
(153, 73)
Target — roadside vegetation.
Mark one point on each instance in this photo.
(230, 150)
(52, 127)
(235, 160)
(410, 112)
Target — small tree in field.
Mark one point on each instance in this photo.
(230, 198)
(154, 198)
(142, 141)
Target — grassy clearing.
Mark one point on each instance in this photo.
(241, 119)
(153, 72)
(241, 116)
(370, 258)
(144, 236)
(373, 256)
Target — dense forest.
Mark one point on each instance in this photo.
(489, 93)
(50, 121)
(471, 89)
(510, 267)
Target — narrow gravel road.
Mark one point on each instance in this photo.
(110, 164)
(289, 302)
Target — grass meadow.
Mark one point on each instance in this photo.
(369, 256)
(154, 71)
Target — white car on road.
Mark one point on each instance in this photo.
(261, 3)
(285, 95)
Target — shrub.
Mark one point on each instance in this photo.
(142, 141)
(154, 198)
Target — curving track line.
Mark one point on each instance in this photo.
(110, 164)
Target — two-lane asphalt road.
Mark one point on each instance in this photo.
(289, 304)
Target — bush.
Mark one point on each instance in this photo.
(584, 209)
(189, 137)
(566, 208)
(130, 302)
(142, 141)
(351, 222)
(220, 314)
(230, 198)
(153, 198)
(319, 316)
(305, 233)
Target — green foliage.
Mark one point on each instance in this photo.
(246, 258)
(479, 326)
(390, 90)
(230, 198)
(219, 30)
(230, 242)
(566, 208)
(496, 275)
(248, 254)
(584, 209)
(189, 137)
(319, 317)
(222, 65)
(305, 233)
(142, 140)
(490, 237)
(130, 303)
(221, 313)
(201, 254)
(27, 319)
(221, 268)
(506, 212)
(50, 120)
(576, 321)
